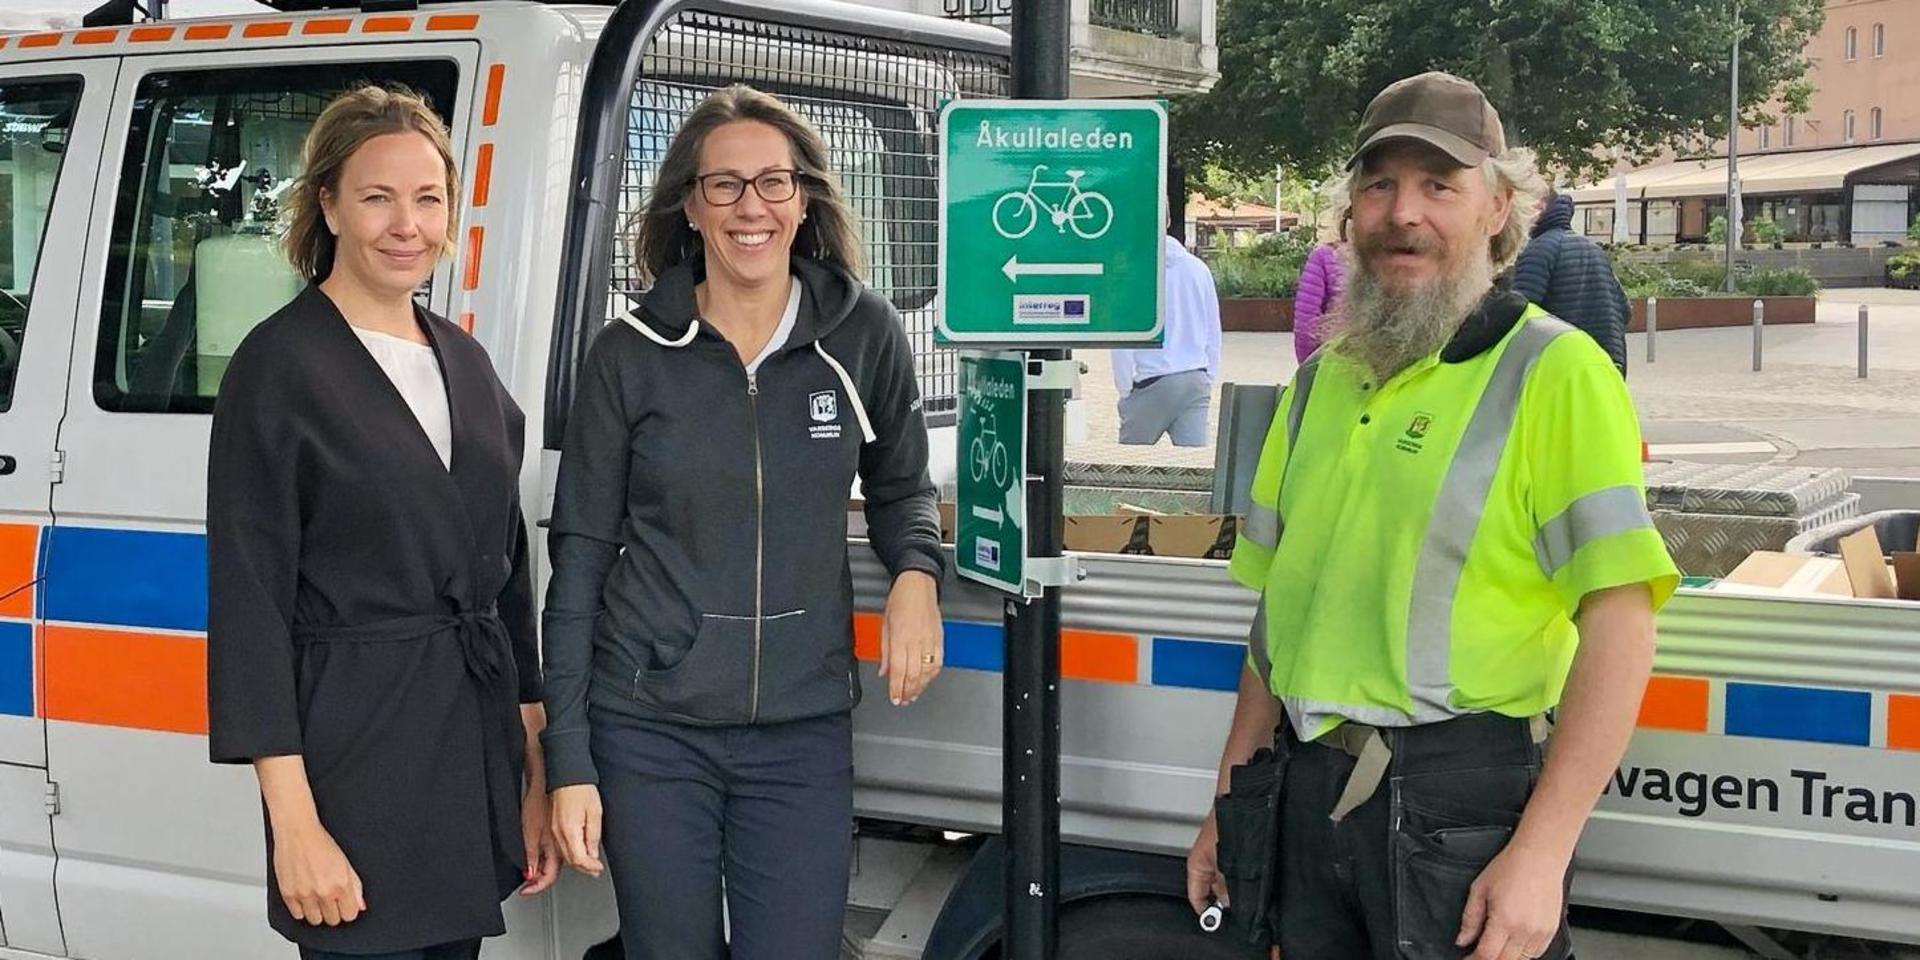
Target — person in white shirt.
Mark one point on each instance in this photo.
(1168, 390)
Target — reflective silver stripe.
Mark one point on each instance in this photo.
(1266, 530)
(1596, 516)
(1297, 409)
(1263, 526)
(1456, 516)
(1257, 644)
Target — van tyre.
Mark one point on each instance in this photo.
(1143, 928)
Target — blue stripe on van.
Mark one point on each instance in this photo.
(1799, 713)
(16, 669)
(126, 578)
(976, 646)
(1200, 664)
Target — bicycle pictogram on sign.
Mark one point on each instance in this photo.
(1088, 213)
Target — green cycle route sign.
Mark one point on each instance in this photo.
(1051, 219)
(990, 530)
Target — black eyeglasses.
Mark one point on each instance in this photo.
(726, 189)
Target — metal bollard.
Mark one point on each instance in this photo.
(1759, 323)
(1653, 324)
(1863, 341)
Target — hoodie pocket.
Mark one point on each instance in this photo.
(804, 667)
(710, 681)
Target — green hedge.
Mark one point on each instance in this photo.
(1708, 278)
(1904, 266)
(1270, 267)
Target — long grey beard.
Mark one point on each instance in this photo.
(1389, 331)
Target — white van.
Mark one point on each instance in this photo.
(140, 168)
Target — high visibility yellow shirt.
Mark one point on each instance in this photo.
(1422, 545)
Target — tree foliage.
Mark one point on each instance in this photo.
(1579, 81)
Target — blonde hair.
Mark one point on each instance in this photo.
(831, 231)
(1516, 169)
(347, 123)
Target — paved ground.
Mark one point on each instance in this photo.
(1699, 400)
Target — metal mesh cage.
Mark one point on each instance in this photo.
(876, 104)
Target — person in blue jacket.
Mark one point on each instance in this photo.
(1570, 277)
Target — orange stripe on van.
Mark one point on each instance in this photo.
(122, 678)
(150, 34)
(866, 636)
(95, 37)
(40, 40)
(466, 322)
(386, 25)
(1903, 722)
(271, 28)
(326, 28)
(476, 236)
(1096, 655)
(210, 31)
(483, 175)
(19, 556)
(453, 21)
(496, 76)
(1675, 703)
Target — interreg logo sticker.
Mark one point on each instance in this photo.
(1050, 308)
(824, 408)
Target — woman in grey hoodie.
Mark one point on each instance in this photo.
(699, 622)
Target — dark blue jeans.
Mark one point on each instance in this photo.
(766, 809)
(462, 950)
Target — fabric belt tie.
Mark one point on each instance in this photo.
(485, 649)
(1372, 756)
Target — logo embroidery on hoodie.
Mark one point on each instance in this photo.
(824, 408)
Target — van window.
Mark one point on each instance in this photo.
(208, 155)
(35, 116)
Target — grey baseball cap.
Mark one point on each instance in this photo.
(1436, 108)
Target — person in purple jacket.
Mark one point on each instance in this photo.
(1321, 281)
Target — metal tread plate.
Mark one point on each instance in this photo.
(1743, 489)
(1712, 544)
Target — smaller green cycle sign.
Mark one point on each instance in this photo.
(1051, 218)
(990, 539)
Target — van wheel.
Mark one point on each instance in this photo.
(1143, 928)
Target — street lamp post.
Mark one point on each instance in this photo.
(1733, 151)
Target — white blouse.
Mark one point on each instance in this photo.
(415, 372)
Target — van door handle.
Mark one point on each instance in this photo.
(7, 464)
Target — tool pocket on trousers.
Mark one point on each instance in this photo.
(1443, 840)
(1248, 820)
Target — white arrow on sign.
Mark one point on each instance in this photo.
(1014, 269)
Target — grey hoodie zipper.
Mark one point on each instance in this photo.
(759, 541)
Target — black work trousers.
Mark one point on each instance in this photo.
(1390, 881)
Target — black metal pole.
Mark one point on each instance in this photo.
(1030, 736)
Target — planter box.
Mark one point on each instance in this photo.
(1256, 315)
(1688, 313)
(1910, 282)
